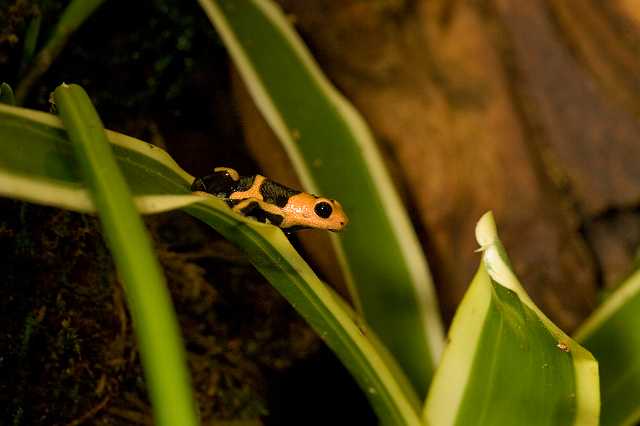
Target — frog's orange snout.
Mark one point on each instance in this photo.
(335, 219)
(310, 211)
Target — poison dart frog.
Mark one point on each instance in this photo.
(270, 202)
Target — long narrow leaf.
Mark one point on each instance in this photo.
(507, 363)
(36, 155)
(334, 154)
(611, 334)
(37, 165)
(155, 322)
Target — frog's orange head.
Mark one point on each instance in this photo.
(308, 211)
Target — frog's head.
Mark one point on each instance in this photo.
(309, 211)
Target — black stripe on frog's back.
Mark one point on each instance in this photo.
(253, 209)
(274, 193)
(220, 184)
(244, 184)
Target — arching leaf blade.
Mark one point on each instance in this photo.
(334, 154)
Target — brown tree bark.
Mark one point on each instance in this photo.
(527, 108)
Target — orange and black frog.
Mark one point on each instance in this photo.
(269, 202)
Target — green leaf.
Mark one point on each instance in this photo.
(507, 363)
(36, 164)
(335, 155)
(147, 295)
(611, 334)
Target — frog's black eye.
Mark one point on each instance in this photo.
(323, 209)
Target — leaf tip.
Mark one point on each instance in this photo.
(486, 232)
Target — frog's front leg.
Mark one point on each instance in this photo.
(260, 210)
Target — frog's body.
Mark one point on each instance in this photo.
(270, 202)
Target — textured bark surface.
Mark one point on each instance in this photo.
(528, 109)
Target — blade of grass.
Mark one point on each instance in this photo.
(156, 325)
(611, 334)
(334, 154)
(36, 150)
(73, 16)
(506, 362)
